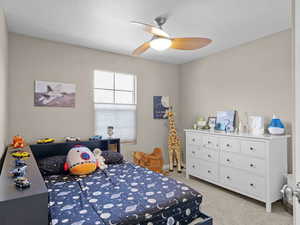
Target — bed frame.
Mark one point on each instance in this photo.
(14, 203)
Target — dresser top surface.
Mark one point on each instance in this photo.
(241, 135)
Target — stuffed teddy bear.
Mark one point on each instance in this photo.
(100, 161)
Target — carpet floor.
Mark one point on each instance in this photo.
(230, 208)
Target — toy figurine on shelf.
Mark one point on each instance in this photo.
(22, 182)
(20, 162)
(95, 138)
(45, 141)
(18, 142)
(19, 171)
(19, 154)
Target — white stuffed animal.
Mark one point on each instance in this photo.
(100, 161)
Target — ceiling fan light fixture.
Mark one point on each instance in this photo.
(160, 44)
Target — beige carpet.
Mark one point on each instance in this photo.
(229, 208)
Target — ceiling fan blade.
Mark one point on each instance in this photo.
(141, 49)
(152, 29)
(189, 43)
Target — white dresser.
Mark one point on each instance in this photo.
(255, 166)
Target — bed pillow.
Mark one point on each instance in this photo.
(112, 157)
(52, 165)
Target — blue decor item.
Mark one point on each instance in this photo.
(225, 121)
(276, 126)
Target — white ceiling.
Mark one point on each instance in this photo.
(105, 24)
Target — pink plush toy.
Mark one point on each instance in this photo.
(100, 161)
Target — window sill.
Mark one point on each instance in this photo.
(129, 142)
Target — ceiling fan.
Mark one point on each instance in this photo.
(162, 41)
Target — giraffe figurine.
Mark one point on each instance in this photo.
(174, 143)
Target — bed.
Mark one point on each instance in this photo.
(123, 194)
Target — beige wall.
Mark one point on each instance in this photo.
(255, 77)
(34, 59)
(3, 81)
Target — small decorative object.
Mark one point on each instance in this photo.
(211, 122)
(100, 160)
(22, 182)
(161, 105)
(45, 141)
(110, 131)
(225, 121)
(195, 126)
(72, 139)
(19, 154)
(18, 142)
(54, 94)
(276, 127)
(19, 163)
(80, 160)
(201, 122)
(241, 127)
(256, 125)
(19, 171)
(95, 138)
(153, 161)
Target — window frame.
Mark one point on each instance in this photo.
(134, 93)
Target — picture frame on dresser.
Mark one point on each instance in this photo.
(254, 166)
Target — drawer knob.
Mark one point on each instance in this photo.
(228, 145)
(193, 139)
(209, 156)
(252, 165)
(228, 160)
(228, 177)
(208, 142)
(193, 166)
(251, 148)
(208, 171)
(252, 185)
(193, 152)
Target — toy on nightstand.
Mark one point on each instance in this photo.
(45, 141)
(72, 139)
(19, 171)
(95, 138)
(22, 182)
(100, 161)
(18, 142)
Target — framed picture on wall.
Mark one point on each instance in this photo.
(54, 94)
(160, 106)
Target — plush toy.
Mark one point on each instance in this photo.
(80, 161)
(99, 158)
(18, 142)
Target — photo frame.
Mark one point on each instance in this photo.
(211, 121)
(226, 121)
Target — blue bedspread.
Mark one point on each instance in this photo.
(123, 194)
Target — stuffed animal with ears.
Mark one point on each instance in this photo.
(100, 161)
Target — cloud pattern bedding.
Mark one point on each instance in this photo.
(123, 194)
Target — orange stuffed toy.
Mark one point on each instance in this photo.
(18, 142)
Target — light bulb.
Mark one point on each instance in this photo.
(160, 44)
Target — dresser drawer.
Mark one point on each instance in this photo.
(193, 166)
(208, 171)
(250, 164)
(193, 151)
(243, 181)
(194, 139)
(253, 148)
(230, 144)
(208, 155)
(254, 185)
(230, 177)
(210, 142)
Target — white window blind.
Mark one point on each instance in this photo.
(115, 104)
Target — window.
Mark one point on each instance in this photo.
(115, 104)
